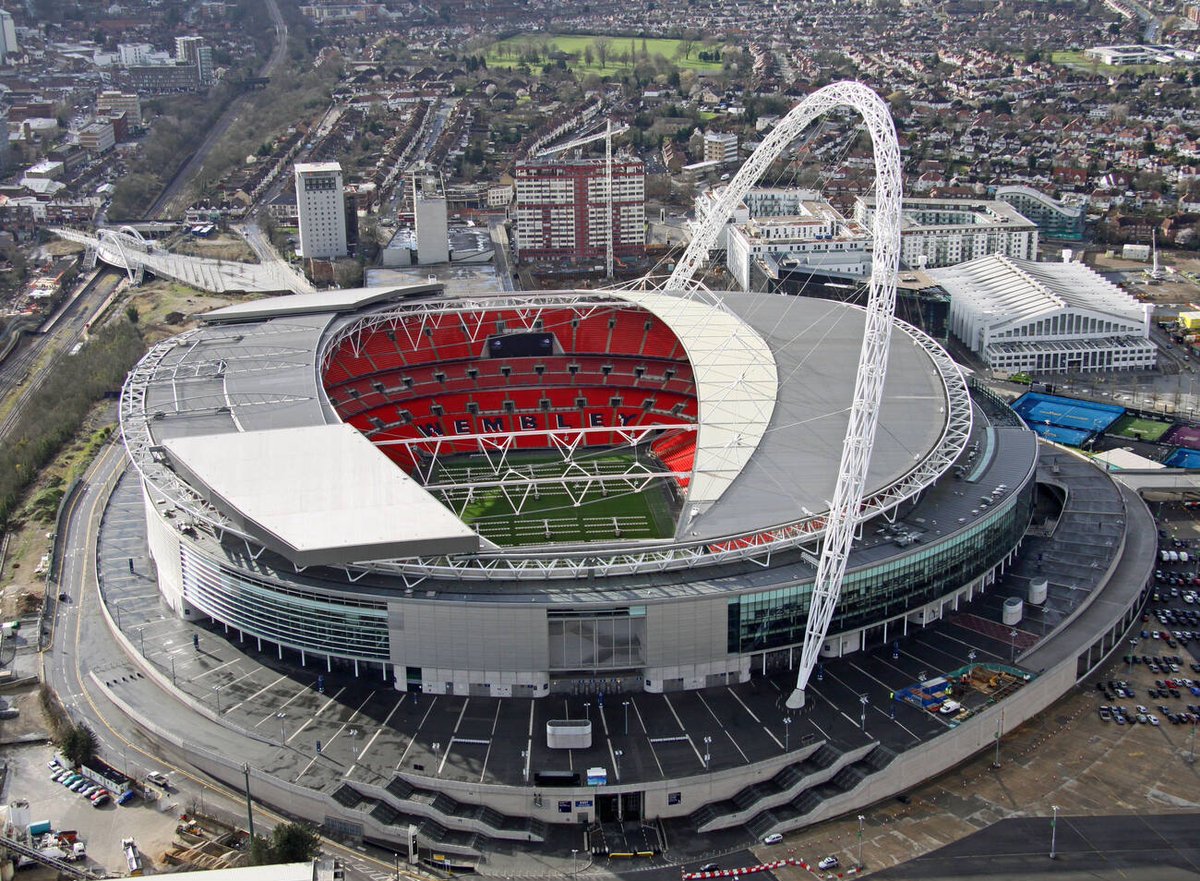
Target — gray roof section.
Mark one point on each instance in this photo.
(303, 304)
(816, 345)
(320, 495)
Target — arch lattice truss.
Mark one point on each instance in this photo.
(845, 509)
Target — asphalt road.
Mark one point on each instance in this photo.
(1127, 847)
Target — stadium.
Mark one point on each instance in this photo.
(547, 497)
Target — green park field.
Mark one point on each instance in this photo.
(549, 513)
(1139, 429)
(621, 53)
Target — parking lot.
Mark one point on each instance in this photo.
(100, 828)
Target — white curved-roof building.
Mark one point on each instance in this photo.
(1023, 316)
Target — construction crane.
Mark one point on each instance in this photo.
(607, 134)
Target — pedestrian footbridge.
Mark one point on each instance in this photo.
(126, 249)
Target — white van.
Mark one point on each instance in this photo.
(1174, 556)
(1183, 556)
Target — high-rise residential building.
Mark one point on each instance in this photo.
(1056, 219)
(944, 232)
(192, 50)
(562, 208)
(131, 54)
(8, 35)
(321, 206)
(429, 217)
(720, 147)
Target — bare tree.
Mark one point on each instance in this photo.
(602, 47)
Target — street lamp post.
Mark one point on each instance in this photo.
(617, 753)
(1054, 833)
(1132, 645)
(281, 717)
(864, 700)
(1012, 636)
(217, 692)
(354, 734)
(707, 753)
(574, 865)
(525, 764)
(587, 710)
(787, 732)
(625, 704)
(861, 818)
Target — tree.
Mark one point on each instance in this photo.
(602, 46)
(78, 744)
(289, 843)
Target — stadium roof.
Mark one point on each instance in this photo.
(774, 382)
(319, 495)
(304, 304)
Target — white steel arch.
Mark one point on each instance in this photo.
(845, 509)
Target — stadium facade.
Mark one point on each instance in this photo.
(511, 495)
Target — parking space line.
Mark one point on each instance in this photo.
(749, 712)
(257, 693)
(491, 740)
(616, 765)
(870, 676)
(461, 713)
(215, 669)
(642, 722)
(235, 681)
(961, 642)
(314, 716)
(728, 733)
(303, 690)
(413, 738)
(696, 750)
(531, 706)
(678, 721)
(382, 727)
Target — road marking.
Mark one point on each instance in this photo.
(738, 698)
(462, 712)
(257, 693)
(495, 724)
(215, 669)
(678, 721)
(378, 731)
(314, 716)
(271, 715)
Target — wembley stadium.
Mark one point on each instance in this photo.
(501, 495)
(683, 500)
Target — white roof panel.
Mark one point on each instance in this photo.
(319, 495)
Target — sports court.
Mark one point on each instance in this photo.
(1065, 420)
(1136, 428)
(1183, 436)
(1183, 458)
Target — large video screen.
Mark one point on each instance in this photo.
(521, 345)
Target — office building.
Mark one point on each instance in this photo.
(321, 207)
(562, 208)
(97, 137)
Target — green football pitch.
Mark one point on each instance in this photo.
(1139, 429)
(551, 512)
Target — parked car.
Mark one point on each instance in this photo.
(773, 838)
(710, 867)
(101, 800)
(830, 862)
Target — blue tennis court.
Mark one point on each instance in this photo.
(1182, 458)
(1039, 410)
(1071, 437)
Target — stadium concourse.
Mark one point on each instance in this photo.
(532, 569)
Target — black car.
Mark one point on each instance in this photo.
(710, 867)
